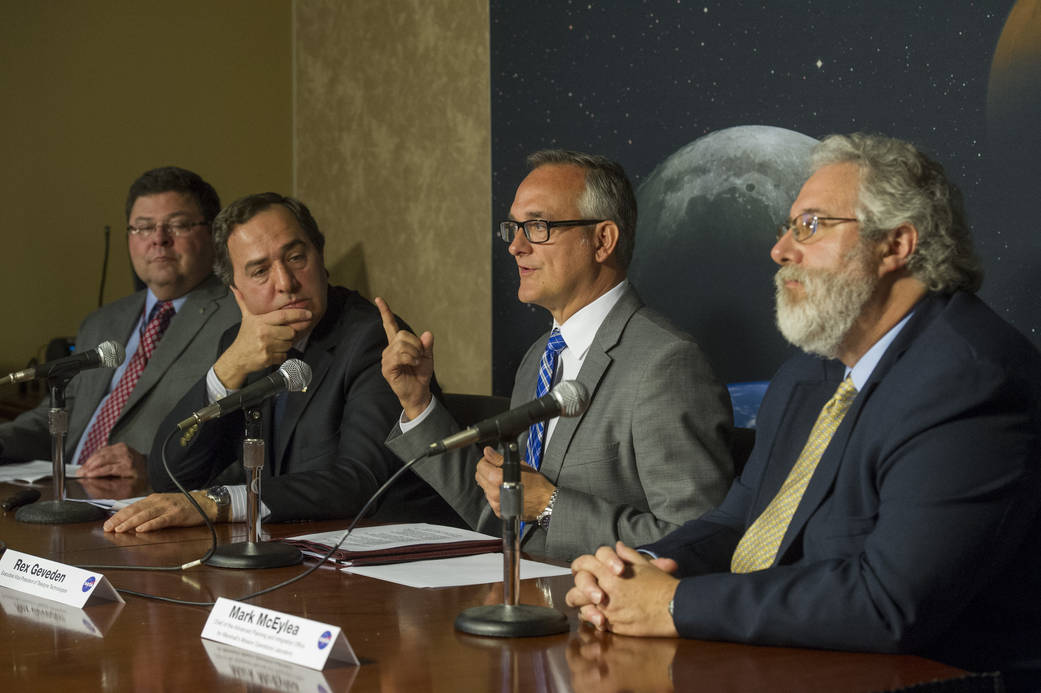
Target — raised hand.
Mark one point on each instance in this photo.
(408, 363)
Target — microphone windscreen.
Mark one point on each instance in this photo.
(112, 353)
(573, 397)
(297, 375)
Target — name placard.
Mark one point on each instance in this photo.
(277, 635)
(42, 577)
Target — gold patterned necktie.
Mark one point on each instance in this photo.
(758, 547)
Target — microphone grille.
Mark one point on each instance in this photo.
(297, 375)
(112, 353)
(573, 397)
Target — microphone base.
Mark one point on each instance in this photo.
(61, 512)
(247, 554)
(505, 621)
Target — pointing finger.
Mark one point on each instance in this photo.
(390, 323)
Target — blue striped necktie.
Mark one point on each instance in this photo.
(547, 367)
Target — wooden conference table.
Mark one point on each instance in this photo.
(404, 637)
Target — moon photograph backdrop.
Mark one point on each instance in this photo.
(712, 108)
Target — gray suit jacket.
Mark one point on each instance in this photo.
(182, 357)
(650, 452)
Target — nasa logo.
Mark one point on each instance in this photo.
(324, 639)
(88, 584)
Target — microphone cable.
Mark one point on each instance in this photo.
(213, 545)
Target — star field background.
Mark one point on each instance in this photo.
(636, 81)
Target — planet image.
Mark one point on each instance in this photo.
(708, 218)
(1014, 89)
(1007, 239)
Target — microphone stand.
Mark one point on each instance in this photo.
(254, 553)
(511, 619)
(59, 510)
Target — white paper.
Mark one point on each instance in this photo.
(452, 572)
(393, 536)
(34, 471)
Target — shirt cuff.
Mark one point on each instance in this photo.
(407, 426)
(215, 389)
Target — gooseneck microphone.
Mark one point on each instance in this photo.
(569, 398)
(105, 355)
(293, 376)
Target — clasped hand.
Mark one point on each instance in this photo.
(624, 591)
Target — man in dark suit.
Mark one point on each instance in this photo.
(324, 453)
(652, 445)
(901, 516)
(114, 415)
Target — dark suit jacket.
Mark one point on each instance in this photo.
(919, 531)
(183, 355)
(327, 456)
(649, 452)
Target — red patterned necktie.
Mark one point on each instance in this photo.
(98, 434)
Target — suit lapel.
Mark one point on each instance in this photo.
(595, 365)
(197, 309)
(827, 469)
(93, 384)
(319, 356)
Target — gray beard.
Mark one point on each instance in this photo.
(833, 300)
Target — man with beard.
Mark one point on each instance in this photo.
(891, 501)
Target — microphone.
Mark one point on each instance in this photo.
(293, 376)
(569, 398)
(105, 355)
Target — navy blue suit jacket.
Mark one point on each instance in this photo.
(919, 531)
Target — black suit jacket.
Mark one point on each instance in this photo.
(327, 456)
(919, 531)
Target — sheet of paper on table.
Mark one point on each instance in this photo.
(453, 572)
(34, 471)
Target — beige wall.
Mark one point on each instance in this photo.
(96, 92)
(385, 103)
(393, 149)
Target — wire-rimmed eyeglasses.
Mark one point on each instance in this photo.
(174, 228)
(804, 226)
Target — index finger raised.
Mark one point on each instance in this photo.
(390, 323)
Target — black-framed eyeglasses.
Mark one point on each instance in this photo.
(804, 226)
(174, 228)
(537, 230)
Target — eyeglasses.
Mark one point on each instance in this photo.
(537, 230)
(804, 226)
(174, 228)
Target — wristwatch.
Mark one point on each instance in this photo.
(547, 513)
(222, 498)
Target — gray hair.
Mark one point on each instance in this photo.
(900, 184)
(245, 208)
(608, 193)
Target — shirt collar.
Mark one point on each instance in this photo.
(151, 300)
(865, 366)
(578, 330)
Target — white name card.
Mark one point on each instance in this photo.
(55, 581)
(277, 635)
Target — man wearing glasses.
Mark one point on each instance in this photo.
(892, 500)
(168, 329)
(650, 450)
